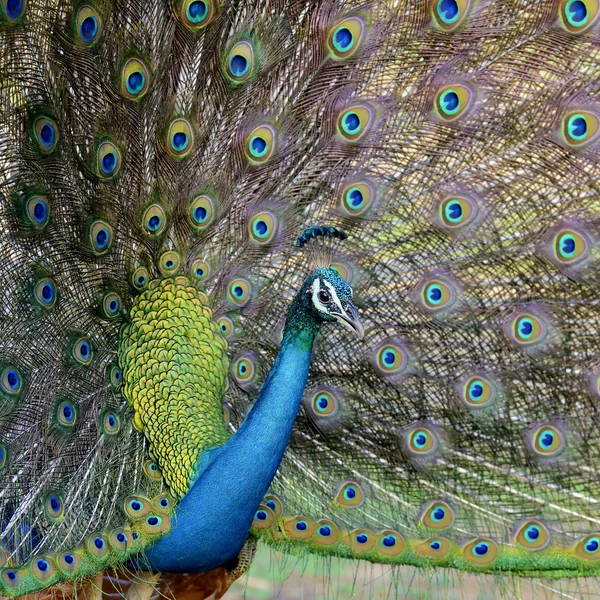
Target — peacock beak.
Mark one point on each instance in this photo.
(350, 319)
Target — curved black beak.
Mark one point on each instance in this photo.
(350, 319)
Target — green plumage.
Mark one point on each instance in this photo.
(454, 140)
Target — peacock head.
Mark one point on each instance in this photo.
(327, 297)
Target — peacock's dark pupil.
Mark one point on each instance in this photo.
(197, 10)
(343, 37)
(239, 65)
(547, 439)
(259, 145)
(352, 122)
(526, 328)
(577, 11)
(39, 211)
(356, 198)
(449, 8)
(136, 81)
(88, 28)
(102, 237)
(47, 134)
(109, 161)
(13, 8)
(451, 101)
(455, 210)
(579, 127)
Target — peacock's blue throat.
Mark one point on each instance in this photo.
(213, 519)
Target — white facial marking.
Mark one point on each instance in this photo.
(317, 286)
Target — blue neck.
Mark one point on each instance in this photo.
(213, 520)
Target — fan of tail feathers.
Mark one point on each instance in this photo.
(187, 144)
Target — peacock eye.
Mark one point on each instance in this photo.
(324, 296)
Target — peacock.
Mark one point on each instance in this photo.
(319, 275)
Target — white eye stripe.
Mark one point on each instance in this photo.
(334, 296)
(316, 288)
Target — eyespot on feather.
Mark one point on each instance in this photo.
(244, 369)
(69, 561)
(533, 535)
(98, 546)
(169, 263)
(156, 524)
(437, 514)
(478, 392)
(300, 528)
(11, 577)
(421, 441)
(42, 567)
(53, 506)
(240, 62)
(109, 160)
(82, 352)
(101, 237)
(355, 121)
(547, 440)
(361, 540)
(119, 539)
(589, 547)
(140, 278)
(457, 212)
(528, 329)
(111, 305)
(260, 143)
(12, 11)
(66, 414)
(324, 403)
(3, 455)
(137, 507)
(452, 102)
(111, 423)
(226, 327)
(135, 79)
(356, 198)
(46, 134)
(200, 270)
(390, 358)
(152, 470)
(449, 15)
(264, 518)
(345, 37)
(37, 210)
(115, 376)
(578, 16)
(433, 548)
(481, 551)
(274, 503)
(180, 138)
(327, 533)
(349, 494)
(197, 14)
(390, 543)
(163, 503)
(201, 211)
(437, 295)
(154, 220)
(580, 128)
(45, 293)
(11, 382)
(89, 26)
(263, 227)
(239, 292)
(570, 247)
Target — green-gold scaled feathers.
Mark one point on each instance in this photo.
(158, 162)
